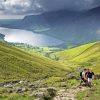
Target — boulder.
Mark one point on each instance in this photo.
(24, 89)
(10, 91)
(32, 86)
(51, 92)
(97, 76)
(19, 90)
(38, 94)
(1, 84)
(10, 85)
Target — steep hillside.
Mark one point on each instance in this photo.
(17, 64)
(71, 53)
(86, 55)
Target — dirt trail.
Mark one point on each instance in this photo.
(69, 94)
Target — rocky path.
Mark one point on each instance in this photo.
(69, 94)
(39, 91)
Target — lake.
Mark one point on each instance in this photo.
(25, 36)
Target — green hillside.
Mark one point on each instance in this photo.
(42, 72)
(17, 64)
(86, 55)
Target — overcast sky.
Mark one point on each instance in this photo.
(24, 7)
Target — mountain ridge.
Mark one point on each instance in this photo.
(73, 28)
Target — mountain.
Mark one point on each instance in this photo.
(2, 37)
(74, 28)
(7, 22)
(16, 64)
(95, 10)
(85, 55)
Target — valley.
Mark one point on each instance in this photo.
(27, 73)
(16, 63)
(42, 55)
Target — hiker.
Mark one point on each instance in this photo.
(83, 76)
(90, 77)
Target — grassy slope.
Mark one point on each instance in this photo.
(90, 94)
(86, 55)
(17, 64)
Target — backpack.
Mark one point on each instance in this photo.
(80, 74)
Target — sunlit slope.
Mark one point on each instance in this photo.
(81, 52)
(93, 52)
(87, 55)
(17, 64)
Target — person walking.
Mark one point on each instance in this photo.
(90, 77)
(83, 77)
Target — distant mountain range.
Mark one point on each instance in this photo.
(74, 28)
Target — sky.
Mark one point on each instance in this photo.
(20, 8)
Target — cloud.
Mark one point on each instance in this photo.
(39, 6)
(15, 6)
